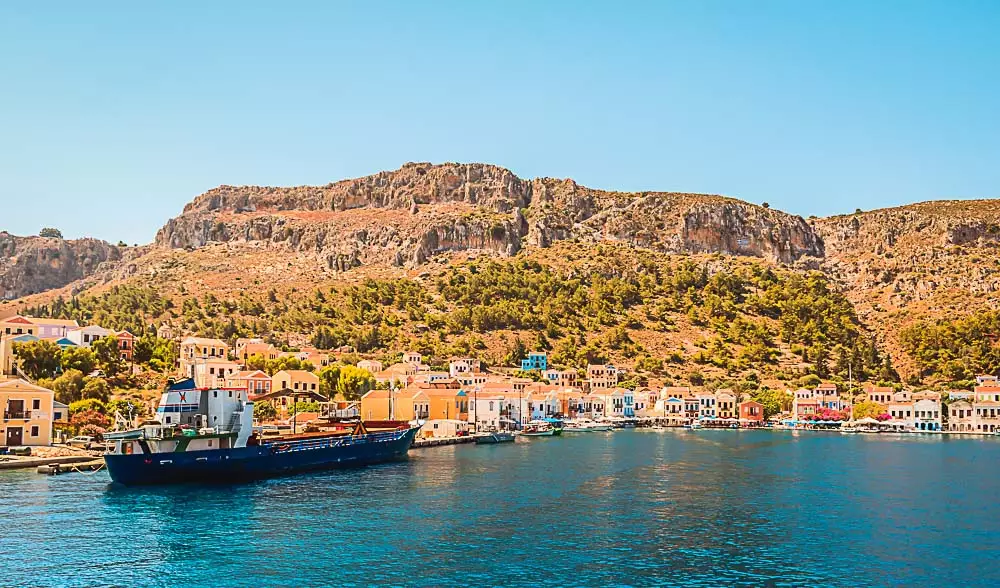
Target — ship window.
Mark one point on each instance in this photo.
(230, 393)
(215, 393)
(168, 420)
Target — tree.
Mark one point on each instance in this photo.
(109, 357)
(354, 382)
(50, 232)
(328, 378)
(257, 362)
(90, 418)
(128, 408)
(38, 359)
(85, 405)
(96, 388)
(264, 411)
(78, 358)
(773, 401)
(516, 353)
(867, 409)
(68, 386)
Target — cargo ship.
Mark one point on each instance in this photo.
(207, 435)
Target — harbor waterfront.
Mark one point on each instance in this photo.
(690, 508)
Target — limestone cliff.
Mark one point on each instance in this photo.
(407, 216)
(35, 264)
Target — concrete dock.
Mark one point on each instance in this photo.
(439, 441)
(16, 463)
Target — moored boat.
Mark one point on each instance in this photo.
(186, 443)
(585, 426)
(493, 437)
(538, 429)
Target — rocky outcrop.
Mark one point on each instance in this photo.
(407, 216)
(34, 264)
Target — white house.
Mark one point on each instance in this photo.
(706, 406)
(485, 412)
(927, 414)
(85, 336)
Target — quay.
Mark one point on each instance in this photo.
(35, 462)
(64, 468)
(439, 441)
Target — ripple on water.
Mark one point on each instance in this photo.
(690, 509)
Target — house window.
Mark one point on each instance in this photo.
(34, 430)
(36, 404)
(295, 385)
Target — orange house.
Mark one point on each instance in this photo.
(126, 344)
(751, 411)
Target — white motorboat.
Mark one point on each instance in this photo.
(585, 426)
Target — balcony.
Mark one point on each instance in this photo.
(17, 415)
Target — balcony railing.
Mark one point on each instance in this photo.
(16, 415)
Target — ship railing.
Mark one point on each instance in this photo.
(331, 442)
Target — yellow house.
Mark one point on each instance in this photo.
(27, 413)
(295, 380)
(194, 350)
(375, 405)
(409, 404)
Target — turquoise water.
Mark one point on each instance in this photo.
(704, 508)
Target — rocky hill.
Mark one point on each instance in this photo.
(405, 217)
(29, 265)
(896, 266)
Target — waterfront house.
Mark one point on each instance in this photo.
(827, 395)
(961, 417)
(900, 409)
(50, 328)
(987, 408)
(447, 401)
(927, 414)
(27, 413)
(725, 403)
(254, 381)
(295, 381)
(86, 336)
(536, 360)
(485, 412)
(692, 407)
(372, 365)
(671, 409)
(751, 412)
(444, 428)
(60, 413)
(376, 405)
(804, 404)
(706, 405)
(879, 394)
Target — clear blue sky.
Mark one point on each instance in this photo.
(114, 115)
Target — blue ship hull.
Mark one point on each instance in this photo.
(263, 461)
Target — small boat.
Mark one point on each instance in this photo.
(586, 426)
(693, 425)
(848, 429)
(493, 437)
(538, 431)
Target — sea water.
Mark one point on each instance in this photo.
(685, 508)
